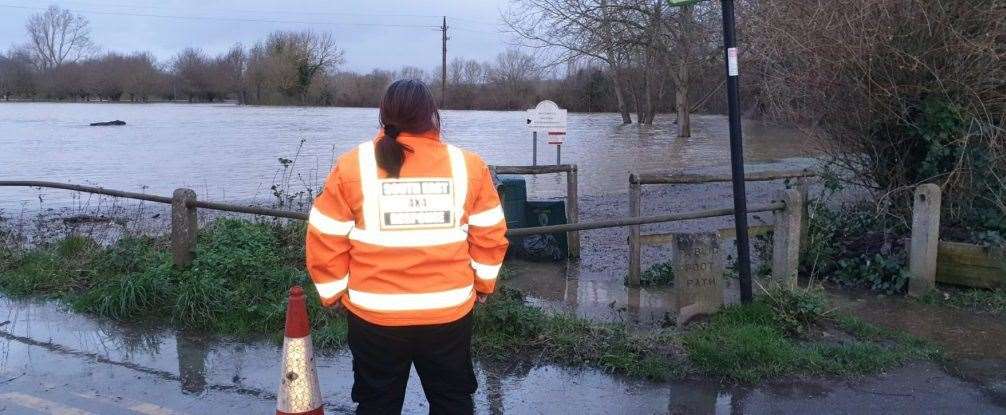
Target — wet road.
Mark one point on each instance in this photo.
(56, 362)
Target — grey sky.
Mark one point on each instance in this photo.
(370, 32)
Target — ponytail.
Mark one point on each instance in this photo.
(407, 106)
(391, 153)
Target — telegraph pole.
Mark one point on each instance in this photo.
(443, 69)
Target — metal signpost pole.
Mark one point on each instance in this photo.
(736, 147)
(737, 152)
(534, 148)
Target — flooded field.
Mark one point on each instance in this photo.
(230, 152)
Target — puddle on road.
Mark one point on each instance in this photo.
(49, 352)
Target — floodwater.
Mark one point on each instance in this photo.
(57, 362)
(230, 153)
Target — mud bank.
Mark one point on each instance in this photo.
(52, 360)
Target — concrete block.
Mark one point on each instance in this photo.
(786, 238)
(698, 263)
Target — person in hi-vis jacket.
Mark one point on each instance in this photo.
(407, 235)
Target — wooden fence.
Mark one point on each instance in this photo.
(184, 204)
(793, 213)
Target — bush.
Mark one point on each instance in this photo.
(795, 310)
(900, 92)
(855, 245)
(657, 275)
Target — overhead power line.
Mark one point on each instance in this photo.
(132, 9)
(231, 19)
(290, 12)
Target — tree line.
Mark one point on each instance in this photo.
(60, 62)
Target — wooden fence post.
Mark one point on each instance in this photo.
(183, 227)
(925, 239)
(803, 187)
(572, 212)
(786, 238)
(634, 245)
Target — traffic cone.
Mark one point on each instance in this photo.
(298, 391)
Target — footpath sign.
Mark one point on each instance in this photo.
(550, 119)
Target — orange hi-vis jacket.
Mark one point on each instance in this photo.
(408, 251)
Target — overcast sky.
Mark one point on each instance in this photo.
(374, 34)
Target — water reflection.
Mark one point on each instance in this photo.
(697, 398)
(192, 353)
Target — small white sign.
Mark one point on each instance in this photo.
(556, 135)
(546, 115)
(732, 62)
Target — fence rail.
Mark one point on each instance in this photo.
(762, 176)
(555, 168)
(253, 210)
(184, 204)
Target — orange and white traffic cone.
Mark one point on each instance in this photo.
(299, 393)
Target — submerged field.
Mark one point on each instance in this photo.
(238, 284)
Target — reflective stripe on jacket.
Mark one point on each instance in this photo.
(412, 250)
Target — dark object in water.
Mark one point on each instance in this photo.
(106, 123)
(549, 247)
(85, 219)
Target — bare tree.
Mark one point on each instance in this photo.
(57, 36)
(142, 78)
(900, 92)
(16, 76)
(228, 72)
(574, 30)
(297, 57)
(515, 75)
(192, 74)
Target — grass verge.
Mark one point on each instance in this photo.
(970, 299)
(238, 286)
(749, 343)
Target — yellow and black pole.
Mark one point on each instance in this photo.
(736, 145)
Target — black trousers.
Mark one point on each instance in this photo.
(383, 356)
